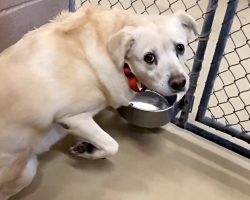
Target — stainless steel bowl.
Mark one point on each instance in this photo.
(149, 109)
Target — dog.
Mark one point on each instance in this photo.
(57, 77)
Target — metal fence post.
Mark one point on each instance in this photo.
(72, 6)
(219, 50)
(198, 59)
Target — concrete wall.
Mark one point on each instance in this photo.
(19, 16)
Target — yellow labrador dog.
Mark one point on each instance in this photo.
(57, 77)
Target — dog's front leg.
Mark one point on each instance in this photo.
(87, 129)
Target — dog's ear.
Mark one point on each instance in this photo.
(120, 43)
(187, 22)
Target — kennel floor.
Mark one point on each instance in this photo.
(167, 163)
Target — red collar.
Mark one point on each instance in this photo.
(132, 80)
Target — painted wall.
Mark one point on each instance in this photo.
(20, 16)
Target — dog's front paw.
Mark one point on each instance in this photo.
(82, 147)
(86, 150)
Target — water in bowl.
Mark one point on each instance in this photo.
(144, 106)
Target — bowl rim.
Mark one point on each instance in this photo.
(161, 110)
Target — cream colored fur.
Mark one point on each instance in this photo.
(67, 71)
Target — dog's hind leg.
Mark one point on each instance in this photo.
(84, 127)
(15, 178)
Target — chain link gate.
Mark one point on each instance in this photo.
(225, 102)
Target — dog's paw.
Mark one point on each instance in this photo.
(86, 150)
(82, 147)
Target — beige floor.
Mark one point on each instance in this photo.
(168, 163)
(158, 164)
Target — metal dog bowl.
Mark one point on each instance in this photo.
(149, 109)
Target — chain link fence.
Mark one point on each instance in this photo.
(230, 99)
(195, 7)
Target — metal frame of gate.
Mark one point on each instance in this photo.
(212, 75)
(188, 100)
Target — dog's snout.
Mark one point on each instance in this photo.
(177, 82)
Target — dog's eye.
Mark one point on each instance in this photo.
(180, 48)
(150, 58)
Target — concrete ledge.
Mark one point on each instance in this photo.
(20, 16)
(5, 4)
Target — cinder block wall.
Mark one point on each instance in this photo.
(19, 16)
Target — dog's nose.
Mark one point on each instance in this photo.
(177, 82)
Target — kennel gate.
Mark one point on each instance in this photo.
(224, 106)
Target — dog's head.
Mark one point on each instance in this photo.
(155, 51)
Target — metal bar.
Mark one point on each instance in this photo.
(198, 59)
(219, 50)
(245, 136)
(218, 140)
(72, 6)
(177, 108)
